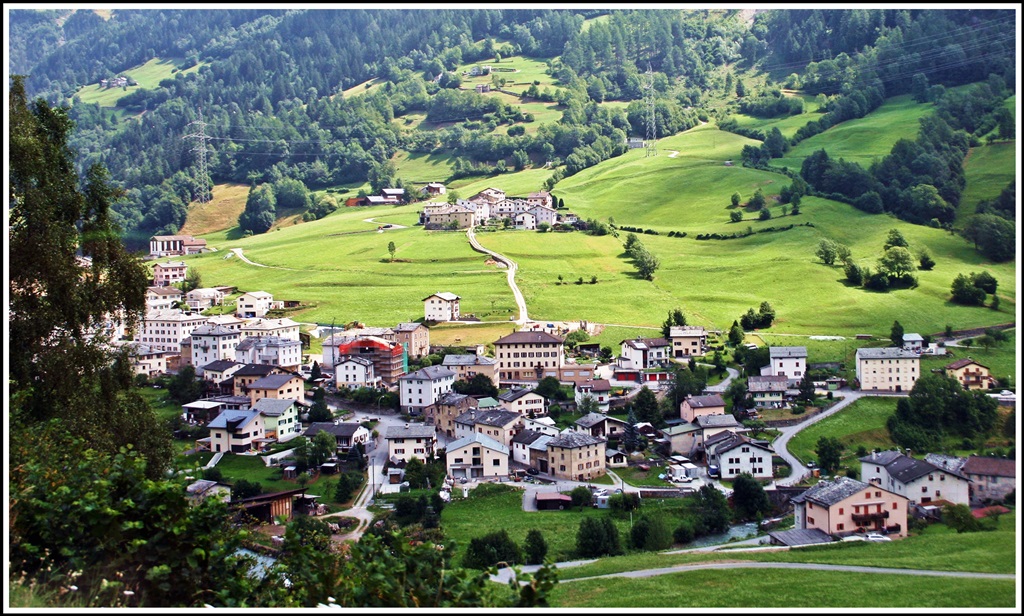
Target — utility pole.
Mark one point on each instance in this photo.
(203, 179)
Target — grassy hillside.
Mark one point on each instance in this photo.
(220, 214)
(989, 169)
(148, 76)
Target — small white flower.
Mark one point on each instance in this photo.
(129, 593)
(72, 587)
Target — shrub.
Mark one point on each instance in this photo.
(684, 532)
(491, 549)
(581, 496)
(623, 502)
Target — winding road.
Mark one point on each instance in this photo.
(511, 272)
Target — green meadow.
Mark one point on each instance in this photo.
(861, 423)
(148, 76)
(990, 168)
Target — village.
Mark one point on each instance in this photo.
(538, 413)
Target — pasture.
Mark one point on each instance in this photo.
(989, 169)
(148, 76)
(220, 213)
(861, 423)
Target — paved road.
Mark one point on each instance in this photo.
(238, 253)
(393, 225)
(721, 387)
(512, 267)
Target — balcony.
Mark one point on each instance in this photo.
(869, 518)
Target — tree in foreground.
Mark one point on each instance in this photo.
(535, 548)
(748, 498)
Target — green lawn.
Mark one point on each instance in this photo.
(861, 423)
(635, 477)
(989, 169)
(1001, 359)
(742, 588)
(160, 401)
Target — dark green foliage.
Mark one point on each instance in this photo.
(959, 518)
(684, 533)
(630, 435)
(806, 395)
(675, 318)
(764, 214)
(478, 385)
(711, 510)
(748, 498)
(581, 496)
(735, 216)
(550, 388)
(645, 406)
(212, 474)
(829, 451)
(184, 387)
(939, 406)
(761, 319)
(315, 372)
(985, 282)
(854, 273)
(650, 533)
(597, 537)
(925, 260)
(535, 548)
(896, 334)
(243, 488)
(965, 292)
(319, 412)
(877, 281)
(624, 502)
(347, 483)
(260, 210)
(895, 238)
(491, 549)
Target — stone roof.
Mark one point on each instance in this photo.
(882, 458)
(950, 463)
(515, 394)
(992, 467)
(737, 440)
(827, 493)
(573, 440)
(886, 353)
(481, 439)
(686, 330)
(256, 370)
(273, 407)
(497, 417)
(451, 398)
(646, 343)
(961, 363)
(541, 444)
(716, 421)
(407, 327)
(913, 337)
(529, 338)
(336, 429)
(800, 536)
(787, 351)
(272, 381)
(430, 373)
(595, 384)
(219, 365)
(757, 384)
(468, 360)
(527, 436)
(592, 419)
(410, 431)
(704, 402)
(682, 428)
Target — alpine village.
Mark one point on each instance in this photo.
(531, 307)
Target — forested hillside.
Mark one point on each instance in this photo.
(269, 87)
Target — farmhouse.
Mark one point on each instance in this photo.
(175, 245)
(843, 506)
(696, 406)
(526, 221)
(887, 369)
(441, 307)
(735, 454)
(255, 304)
(970, 374)
(576, 456)
(434, 189)
(768, 391)
(919, 481)
(477, 456)
(166, 274)
(524, 356)
(688, 341)
(991, 478)
(410, 441)
(599, 390)
(424, 387)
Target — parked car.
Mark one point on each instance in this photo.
(533, 471)
(876, 537)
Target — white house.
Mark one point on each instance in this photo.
(163, 298)
(411, 441)
(522, 441)
(523, 401)
(280, 418)
(735, 454)
(201, 299)
(285, 328)
(543, 214)
(270, 350)
(237, 432)
(790, 362)
(688, 340)
(164, 330)
(354, 372)
(441, 307)
(913, 342)
(477, 456)
(600, 390)
(422, 388)
(347, 435)
(644, 353)
(526, 221)
(921, 482)
(211, 343)
(254, 305)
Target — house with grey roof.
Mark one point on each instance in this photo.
(597, 424)
(693, 407)
(644, 353)
(441, 307)
(919, 480)
(521, 445)
(279, 386)
(347, 435)
(768, 391)
(467, 366)
(843, 506)
(280, 417)
(499, 424)
(887, 369)
(420, 389)
(991, 478)
(524, 401)
(237, 432)
(576, 456)
(477, 456)
(734, 454)
(787, 361)
(913, 343)
(410, 441)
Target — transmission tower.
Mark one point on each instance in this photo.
(200, 149)
(652, 128)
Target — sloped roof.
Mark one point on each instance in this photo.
(716, 421)
(272, 381)
(430, 373)
(451, 398)
(496, 417)
(962, 363)
(220, 365)
(515, 394)
(646, 343)
(256, 370)
(827, 493)
(527, 436)
(243, 417)
(801, 536)
(993, 467)
(407, 327)
(787, 351)
(882, 458)
(410, 431)
(704, 402)
(445, 296)
(339, 429)
(757, 384)
(572, 440)
(592, 419)
(529, 337)
(595, 384)
(481, 439)
(468, 359)
(886, 353)
(273, 407)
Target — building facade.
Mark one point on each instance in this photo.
(887, 369)
(524, 356)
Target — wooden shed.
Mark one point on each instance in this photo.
(553, 500)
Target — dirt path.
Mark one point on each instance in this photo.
(511, 266)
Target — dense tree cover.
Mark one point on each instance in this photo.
(69, 273)
(598, 537)
(535, 547)
(491, 549)
(937, 407)
(994, 236)
(478, 385)
(830, 452)
(971, 290)
(675, 317)
(749, 500)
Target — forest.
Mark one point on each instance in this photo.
(269, 82)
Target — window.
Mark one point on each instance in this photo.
(840, 511)
(839, 526)
(810, 520)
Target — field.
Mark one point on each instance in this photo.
(220, 214)
(148, 76)
(990, 169)
(861, 423)
(1001, 360)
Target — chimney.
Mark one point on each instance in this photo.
(909, 452)
(874, 454)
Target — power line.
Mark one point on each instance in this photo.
(200, 148)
